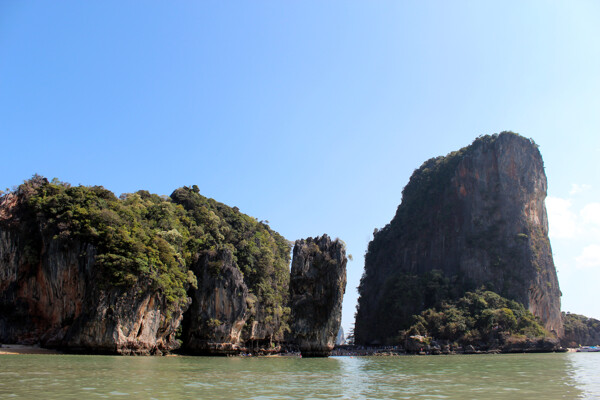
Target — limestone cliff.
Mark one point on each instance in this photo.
(51, 294)
(219, 310)
(241, 301)
(580, 331)
(317, 287)
(82, 270)
(473, 218)
(225, 317)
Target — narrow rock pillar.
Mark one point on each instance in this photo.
(317, 287)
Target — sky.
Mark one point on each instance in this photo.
(311, 115)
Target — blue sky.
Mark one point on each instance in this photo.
(311, 115)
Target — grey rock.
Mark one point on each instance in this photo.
(317, 286)
(220, 306)
(477, 217)
(50, 296)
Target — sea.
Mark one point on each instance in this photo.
(500, 376)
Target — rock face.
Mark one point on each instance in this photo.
(580, 331)
(219, 310)
(317, 287)
(83, 270)
(224, 317)
(116, 321)
(242, 268)
(473, 218)
(49, 295)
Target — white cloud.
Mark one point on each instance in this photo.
(576, 188)
(591, 213)
(561, 220)
(589, 257)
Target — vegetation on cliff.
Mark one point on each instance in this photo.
(261, 254)
(150, 239)
(477, 317)
(580, 330)
(472, 219)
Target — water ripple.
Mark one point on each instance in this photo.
(523, 376)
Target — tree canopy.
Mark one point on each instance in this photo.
(151, 239)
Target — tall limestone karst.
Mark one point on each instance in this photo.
(79, 271)
(317, 287)
(473, 218)
(242, 268)
(83, 270)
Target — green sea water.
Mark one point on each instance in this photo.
(515, 376)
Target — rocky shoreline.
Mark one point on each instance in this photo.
(338, 351)
(360, 351)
